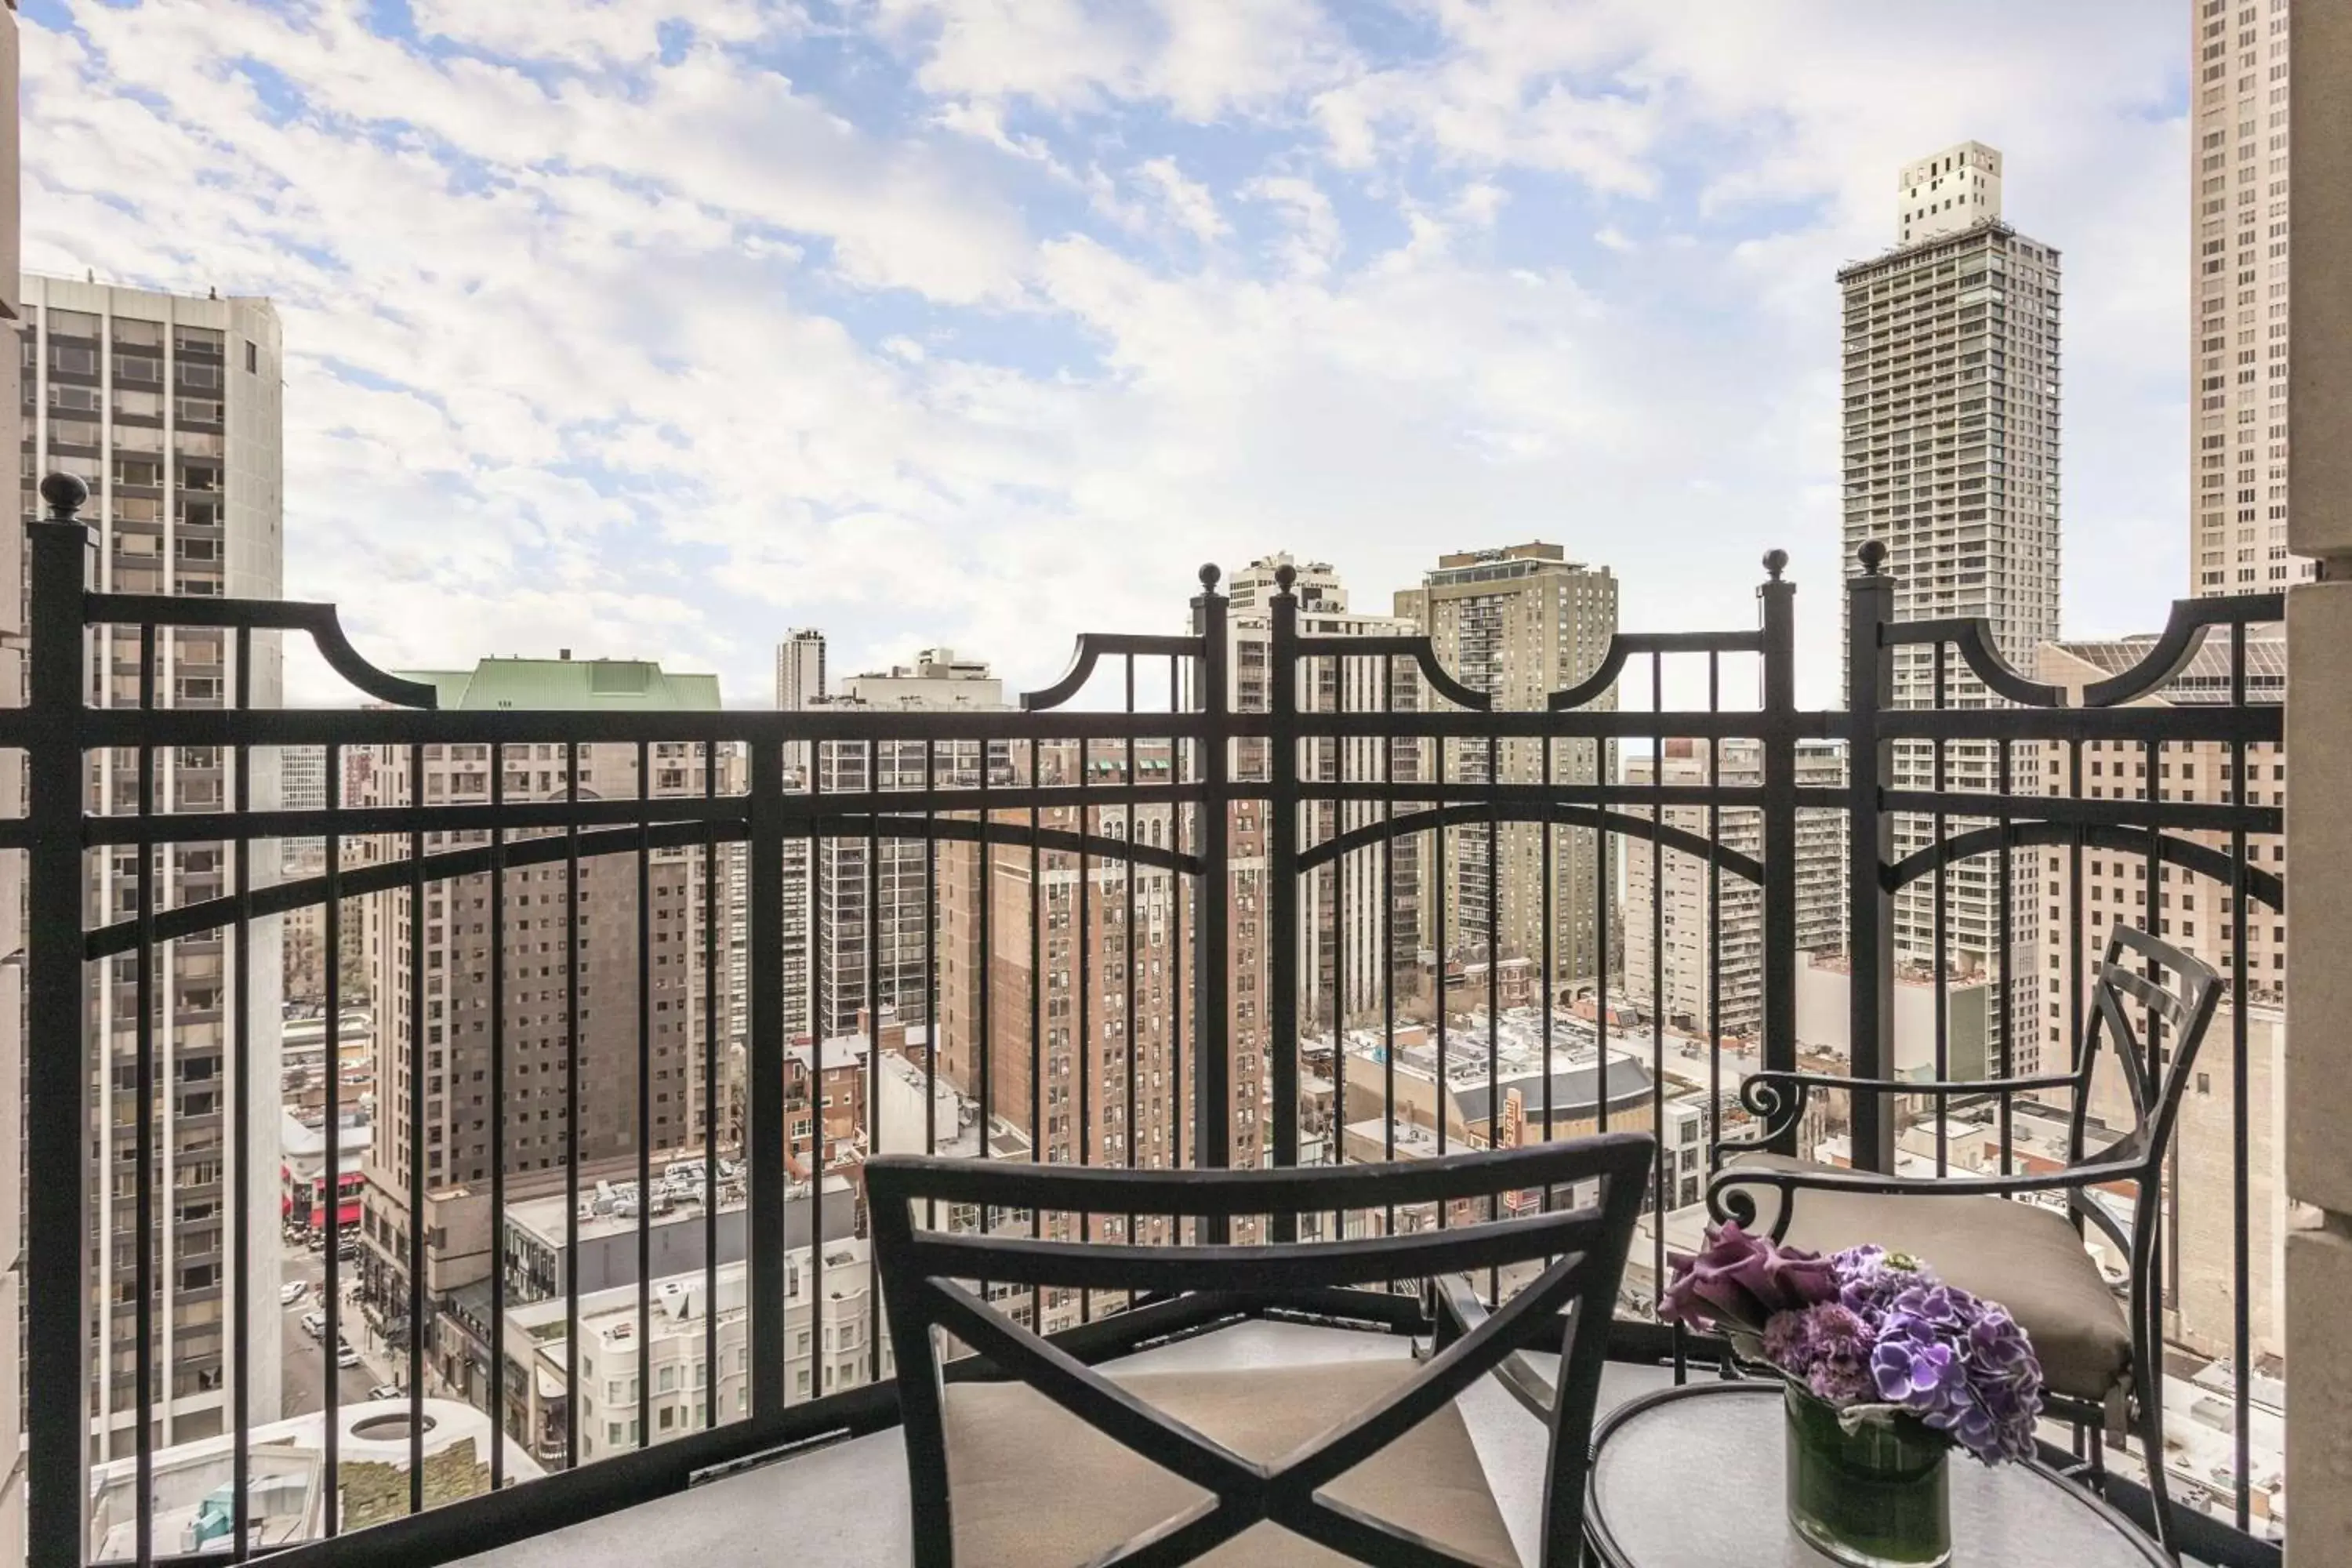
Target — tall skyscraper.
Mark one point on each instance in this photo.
(869, 909)
(1518, 624)
(1951, 460)
(170, 408)
(800, 669)
(2238, 297)
(451, 1043)
(1340, 940)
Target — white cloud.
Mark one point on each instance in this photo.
(591, 346)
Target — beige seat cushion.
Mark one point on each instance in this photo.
(1031, 1484)
(2027, 1258)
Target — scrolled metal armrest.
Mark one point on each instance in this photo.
(1725, 1202)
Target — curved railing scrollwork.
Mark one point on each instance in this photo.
(2187, 854)
(1093, 647)
(324, 627)
(1972, 634)
(2183, 635)
(1418, 649)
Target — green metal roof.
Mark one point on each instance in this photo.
(611, 685)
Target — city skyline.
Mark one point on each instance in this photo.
(1106, 365)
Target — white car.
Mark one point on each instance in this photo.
(314, 1324)
(346, 1357)
(387, 1391)
(293, 1290)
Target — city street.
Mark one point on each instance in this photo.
(307, 1362)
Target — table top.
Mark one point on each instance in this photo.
(1694, 1476)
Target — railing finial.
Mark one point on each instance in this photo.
(67, 494)
(1872, 556)
(1209, 575)
(1285, 575)
(1775, 563)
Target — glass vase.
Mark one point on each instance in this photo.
(1877, 1497)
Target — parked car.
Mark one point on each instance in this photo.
(292, 1292)
(314, 1324)
(346, 1357)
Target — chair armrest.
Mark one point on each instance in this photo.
(1777, 1097)
(1727, 1204)
(1457, 1311)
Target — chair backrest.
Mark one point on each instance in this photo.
(2174, 993)
(924, 1274)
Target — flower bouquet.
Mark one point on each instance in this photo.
(1887, 1369)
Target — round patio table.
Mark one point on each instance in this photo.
(1692, 1477)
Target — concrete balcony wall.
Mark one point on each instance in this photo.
(2319, 831)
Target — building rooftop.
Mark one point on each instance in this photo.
(611, 685)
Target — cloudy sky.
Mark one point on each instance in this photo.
(654, 327)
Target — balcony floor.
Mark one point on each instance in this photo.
(846, 1506)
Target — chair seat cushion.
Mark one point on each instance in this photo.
(2026, 1257)
(1033, 1485)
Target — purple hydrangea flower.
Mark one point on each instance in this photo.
(1741, 1280)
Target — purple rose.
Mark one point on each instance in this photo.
(1741, 1280)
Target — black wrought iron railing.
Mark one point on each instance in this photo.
(645, 989)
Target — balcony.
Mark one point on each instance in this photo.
(613, 1198)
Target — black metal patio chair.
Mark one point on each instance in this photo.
(1350, 1460)
(2102, 1360)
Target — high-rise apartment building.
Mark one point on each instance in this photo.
(1353, 929)
(1043, 976)
(169, 408)
(1951, 461)
(451, 1043)
(2238, 298)
(800, 669)
(1704, 947)
(1518, 624)
(869, 932)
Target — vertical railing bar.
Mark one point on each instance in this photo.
(873, 1031)
(1667, 1152)
(1334, 1119)
(417, 1143)
(1282, 927)
(1213, 954)
(2007, 996)
(1388, 931)
(331, 1332)
(1437, 968)
(1177, 970)
(1080, 932)
(2241, 1172)
(646, 1097)
(1494, 983)
(987, 968)
(572, 1110)
(240, 1223)
(1943, 938)
(711, 1092)
(1037, 1058)
(1715, 917)
(1130, 962)
(1601, 891)
(932, 962)
(820, 1025)
(497, 1117)
(1548, 927)
(763, 1133)
(57, 1060)
(143, 1271)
